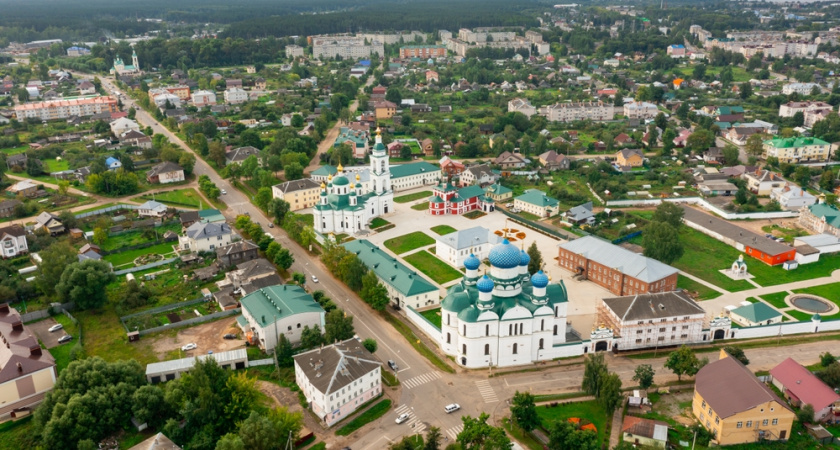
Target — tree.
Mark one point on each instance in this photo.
(662, 242)
(536, 262)
(479, 435)
(373, 292)
(644, 375)
(284, 259)
(393, 95)
(737, 353)
(668, 137)
(149, 405)
(338, 326)
(594, 368)
(755, 145)
(699, 71)
(311, 337)
(670, 213)
(84, 283)
(370, 344)
(263, 197)
(746, 90)
(700, 141)
(293, 171)
(563, 435)
(683, 361)
(731, 155)
(805, 414)
(55, 259)
(826, 359)
(278, 208)
(100, 235)
(216, 152)
(432, 439)
(802, 175)
(524, 411)
(284, 351)
(661, 121)
(827, 180)
(610, 395)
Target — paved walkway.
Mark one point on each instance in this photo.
(617, 420)
(703, 282)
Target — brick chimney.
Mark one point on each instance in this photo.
(4, 308)
(17, 325)
(35, 350)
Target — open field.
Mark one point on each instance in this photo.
(703, 292)
(118, 259)
(188, 197)
(432, 267)
(443, 229)
(408, 242)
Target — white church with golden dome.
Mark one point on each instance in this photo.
(344, 207)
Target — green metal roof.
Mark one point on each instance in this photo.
(795, 142)
(277, 302)
(415, 168)
(359, 138)
(211, 216)
(408, 282)
(726, 110)
(537, 197)
(757, 312)
(325, 170)
(470, 192)
(831, 213)
(497, 189)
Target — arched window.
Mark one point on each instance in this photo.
(541, 344)
(515, 349)
(542, 325)
(448, 319)
(487, 330)
(463, 349)
(486, 349)
(465, 331)
(448, 338)
(555, 330)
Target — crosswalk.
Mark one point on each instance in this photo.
(454, 431)
(412, 383)
(486, 391)
(415, 424)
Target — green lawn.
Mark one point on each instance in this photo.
(433, 316)
(434, 268)
(827, 291)
(591, 411)
(62, 352)
(133, 237)
(376, 411)
(412, 197)
(772, 275)
(443, 229)
(52, 165)
(472, 215)
(704, 256)
(777, 299)
(17, 435)
(118, 259)
(408, 242)
(95, 208)
(703, 292)
(180, 197)
(105, 336)
(378, 222)
(420, 206)
(529, 216)
(800, 316)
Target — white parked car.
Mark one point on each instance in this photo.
(452, 408)
(314, 279)
(190, 346)
(55, 327)
(224, 192)
(402, 418)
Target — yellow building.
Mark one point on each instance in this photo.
(384, 109)
(797, 149)
(736, 407)
(299, 194)
(27, 372)
(629, 157)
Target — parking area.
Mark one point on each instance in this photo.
(41, 330)
(207, 337)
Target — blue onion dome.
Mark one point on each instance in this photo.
(504, 255)
(816, 317)
(524, 259)
(539, 280)
(485, 284)
(472, 262)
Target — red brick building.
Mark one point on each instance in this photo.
(615, 268)
(447, 199)
(422, 51)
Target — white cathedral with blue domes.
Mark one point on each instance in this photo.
(507, 317)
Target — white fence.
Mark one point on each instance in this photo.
(423, 324)
(784, 329)
(261, 362)
(706, 205)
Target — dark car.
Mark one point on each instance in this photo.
(230, 336)
(65, 338)
(392, 364)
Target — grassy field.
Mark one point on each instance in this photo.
(408, 242)
(704, 257)
(53, 165)
(412, 197)
(434, 268)
(420, 206)
(418, 345)
(829, 292)
(17, 435)
(472, 215)
(777, 299)
(529, 216)
(433, 316)
(62, 352)
(443, 229)
(180, 197)
(376, 411)
(591, 411)
(105, 336)
(118, 259)
(703, 292)
(134, 237)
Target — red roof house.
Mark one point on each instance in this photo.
(801, 387)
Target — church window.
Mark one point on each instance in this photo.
(487, 330)
(555, 330)
(541, 344)
(448, 338)
(464, 349)
(486, 349)
(542, 325)
(515, 349)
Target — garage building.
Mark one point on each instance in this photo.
(171, 370)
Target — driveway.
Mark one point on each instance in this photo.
(40, 328)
